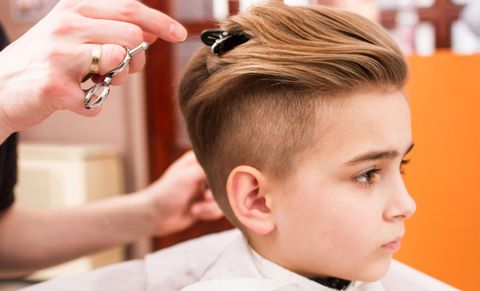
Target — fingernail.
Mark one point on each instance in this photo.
(178, 31)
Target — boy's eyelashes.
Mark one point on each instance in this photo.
(402, 166)
(368, 178)
(372, 175)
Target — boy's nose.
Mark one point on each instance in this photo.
(401, 205)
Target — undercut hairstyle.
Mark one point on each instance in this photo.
(260, 103)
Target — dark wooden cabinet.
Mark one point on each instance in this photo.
(166, 133)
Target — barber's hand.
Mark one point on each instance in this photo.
(180, 197)
(41, 71)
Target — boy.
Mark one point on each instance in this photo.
(298, 118)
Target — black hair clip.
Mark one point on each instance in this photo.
(222, 41)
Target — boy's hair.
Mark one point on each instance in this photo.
(259, 104)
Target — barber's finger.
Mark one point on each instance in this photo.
(150, 20)
(111, 56)
(206, 210)
(118, 79)
(72, 100)
(114, 31)
(187, 158)
(208, 195)
(103, 31)
(137, 63)
(91, 30)
(149, 38)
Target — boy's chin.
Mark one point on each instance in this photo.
(374, 273)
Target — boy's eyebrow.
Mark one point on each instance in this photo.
(377, 155)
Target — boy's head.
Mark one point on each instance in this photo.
(302, 131)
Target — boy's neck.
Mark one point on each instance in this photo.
(330, 282)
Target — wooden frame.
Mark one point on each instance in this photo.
(161, 112)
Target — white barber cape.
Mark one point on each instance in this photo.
(222, 262)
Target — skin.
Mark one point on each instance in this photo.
(31, 238)
(333, 216)
(42, 70)
(41, 73)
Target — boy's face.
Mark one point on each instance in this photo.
(341, 213)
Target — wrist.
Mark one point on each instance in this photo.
(5, 129)
(5, 125)
(156, 206)
(145, 204)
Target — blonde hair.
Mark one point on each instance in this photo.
(258, 104)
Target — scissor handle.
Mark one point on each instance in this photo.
(122, 66)
(93, 100)
(128, 58)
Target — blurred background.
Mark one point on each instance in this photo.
(140, 131)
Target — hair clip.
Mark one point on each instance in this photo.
(222, 41)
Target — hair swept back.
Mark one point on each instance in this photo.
(258, 103)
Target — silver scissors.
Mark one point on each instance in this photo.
(92, 99)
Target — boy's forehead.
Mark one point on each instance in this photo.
(362, 122)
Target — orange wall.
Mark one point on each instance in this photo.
(443, 238)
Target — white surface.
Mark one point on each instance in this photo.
(425, 39)
(464, 41)
(217, 258)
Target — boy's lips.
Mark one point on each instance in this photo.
(393, 245)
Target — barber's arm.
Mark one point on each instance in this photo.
(32, 239)
(41, 71)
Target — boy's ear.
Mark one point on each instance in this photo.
(246, 194)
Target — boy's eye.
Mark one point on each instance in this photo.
(402, 165)
(368, 178)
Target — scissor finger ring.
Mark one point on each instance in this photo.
(92, 99)
(96, 94)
